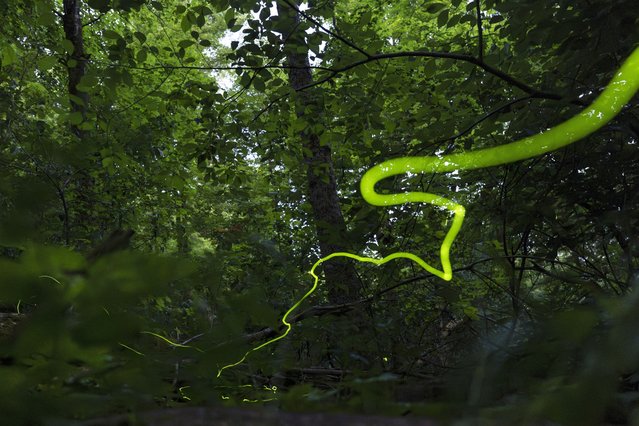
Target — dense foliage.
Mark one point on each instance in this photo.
(230, 136)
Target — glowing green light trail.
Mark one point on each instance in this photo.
(170, 342)
(618, 93)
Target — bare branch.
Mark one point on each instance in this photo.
(94, 20)
(484, 117)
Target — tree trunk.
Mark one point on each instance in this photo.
(343, 283)
(76, 69)
(76, 62)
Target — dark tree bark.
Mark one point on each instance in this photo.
(118, 240)
(342, 280)
(76, 62)
(76, 69)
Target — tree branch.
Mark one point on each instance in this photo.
(220, 67)
(334, 72)
(447, 55)
(484, 117)
(467, 58)
(326, 30)
(530, 91)
(339, 309)
(94, 20)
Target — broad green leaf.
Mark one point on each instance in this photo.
(141, 55)
(442, 18)
(88, 82)
(435, 7)
(9, 55)
(185, 24)
(258, 84)
(140, 36)
(229, 17)
(45, 15)
(75, 118)
(101, 5)
(200, 21)
(186, 43)
(67, 46)
(111, 34)
(365, 18)
(47, 62)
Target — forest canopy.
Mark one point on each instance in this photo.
(172, 170)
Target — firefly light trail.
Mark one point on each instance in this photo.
(618, 93)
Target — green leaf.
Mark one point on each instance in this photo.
(127, 5)
(453, 20)
(200, 21)
(75, 118)
(86, 125)
(365, 18)
(299, 124)
(111, 34)
(186, 43)
(185, 24)
(265, 13)
(47, 63)
(9, 55)
(471, 312)
(259, 85)
(141, 55)
(45, 14)
(127, 78)
(88, 82)
(442, 18)
(107, 163)
(229, 17)
(180, 9)
(205, 11)
(101, 5)
(140, 36)
(77, 100)
(205, 42)
(435, 7)
(245, 79)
